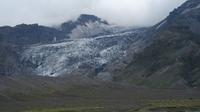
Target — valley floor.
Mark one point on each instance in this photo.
(37, 94)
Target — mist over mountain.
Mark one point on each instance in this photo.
(54, 12)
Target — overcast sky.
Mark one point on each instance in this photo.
(52, 12)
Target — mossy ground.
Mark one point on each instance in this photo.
(185, 105)
(189, 105)
(77, 109)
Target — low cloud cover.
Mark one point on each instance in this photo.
(52, 12)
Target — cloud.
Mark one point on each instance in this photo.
(52, 12)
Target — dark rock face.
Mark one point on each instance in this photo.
(29, 34)
(9, 61)
(84, 18)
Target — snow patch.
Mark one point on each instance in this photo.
(161, 24)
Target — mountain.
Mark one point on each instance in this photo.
(83, 19)
(173, 57)
(166, 55)
(87, 26)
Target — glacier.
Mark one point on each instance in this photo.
(63, 58)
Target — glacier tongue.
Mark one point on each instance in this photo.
(63, 58)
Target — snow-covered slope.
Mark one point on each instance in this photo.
(74, 54)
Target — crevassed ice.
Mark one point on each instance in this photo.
(63, 58)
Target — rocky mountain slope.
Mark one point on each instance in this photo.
(173, 57)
